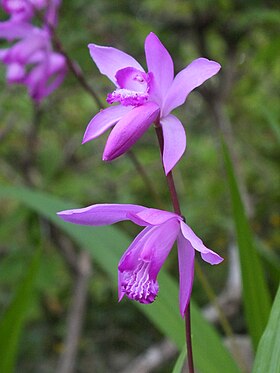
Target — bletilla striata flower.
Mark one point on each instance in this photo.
(22, 10)
(142, 261)
(145, 98)
(30, 59)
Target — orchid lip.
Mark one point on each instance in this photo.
(127, 97)
(133, 87)
(138, 285)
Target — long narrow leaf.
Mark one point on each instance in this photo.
(272, 121)
(12, 323)
(268, 353)
(210, 354)
(256, 296)
(180, 362)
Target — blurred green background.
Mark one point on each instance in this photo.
(241, 103)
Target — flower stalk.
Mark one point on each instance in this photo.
(143, 99)
(177, 210)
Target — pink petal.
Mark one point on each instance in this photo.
(15, 73)
(186, 255)
(159, 242)
(152, 244)
(3, 54)
(160, 63)
(25, 48)
(36, 79)
(109, 60)
(101, 214)
(104, 120)
(206, 254)
(188, 79)
(52, 12)
(13, 30)
(132, 79)
(57, 70)
(129, 129)
(149, 216)
(46, 76)
(174, 141)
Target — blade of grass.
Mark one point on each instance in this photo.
(12, 323)
(180, 362)
(271, 119)
(268, 353)
(256, 296)
(210, 354)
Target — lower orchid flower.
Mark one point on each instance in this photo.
(140, 264)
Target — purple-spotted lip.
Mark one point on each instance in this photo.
(133, 87)
(138, 285)
(127, 98)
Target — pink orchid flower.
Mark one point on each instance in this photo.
(142, 261)
(145, 98)
(22, 10)
(30, 60)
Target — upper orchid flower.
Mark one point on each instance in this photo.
(141, 262)
(145, 98)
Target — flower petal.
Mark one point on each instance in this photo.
(103, 120)
(109, 60)
(206, 254)
(22, 51)
(133, 79)
(186, 255)
(149, 216)
(186, 80)
(159, 242)
(139, 266)
(101, 214)
(57, 70)
(152, 244)
(12, 30)
(129, 129)
(46, 76)
(15, 73)
(160, 63)
(174, 141)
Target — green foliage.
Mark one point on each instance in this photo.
(12, 323)
(268, 353)
(244, 38)
(180, 362)
(210, 354)
(256, 295)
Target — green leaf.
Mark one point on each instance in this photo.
(256, 296)
(272, 121)
(268, 353)
(180, 362)
(12, 323)
(106, 245)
